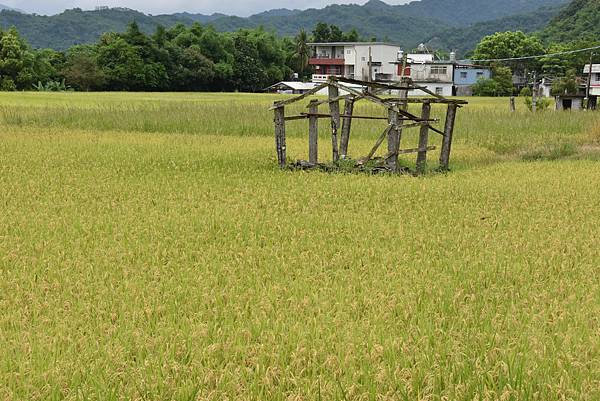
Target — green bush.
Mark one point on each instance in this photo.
(542, 103)
(526, 92)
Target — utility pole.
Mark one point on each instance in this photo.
(370, 66)
(589, 83)
(534, 93)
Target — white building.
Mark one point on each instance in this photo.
(351, 60)
(436, 76)
(595, 81)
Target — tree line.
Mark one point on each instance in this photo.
(564, 68)
(198, 58)
(182, 58)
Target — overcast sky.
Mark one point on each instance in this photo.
(236, 7)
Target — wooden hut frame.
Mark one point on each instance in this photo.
(399, 119)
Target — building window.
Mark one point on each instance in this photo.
(479, 74)
(439, 70)
(463, 74)
(439, 90)
(363, 58)
(348, 51)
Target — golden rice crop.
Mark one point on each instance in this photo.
(151, 250)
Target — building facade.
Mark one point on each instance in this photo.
(466, 75)
(595, 81)
(351, 60)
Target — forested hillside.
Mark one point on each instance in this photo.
(467, 12)
(407, 25)
(464, 39)
(75, 26)
(579, 20)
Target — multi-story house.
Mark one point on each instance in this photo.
(595, 81)
(466, 75)
(351, 60)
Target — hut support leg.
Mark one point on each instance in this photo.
(447, 141)
(393, 141)
(313, 132)
(346, 125)
(334, 108)
(423, 139)
(280, 135)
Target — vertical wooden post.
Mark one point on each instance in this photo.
(334, 108)
(512, 104)
(313, 132)
(448, 132)
(346, 125)
(370, 67)
(280, 135)
(423, 139)
(589, 83)
(393, 140)
(534, 94)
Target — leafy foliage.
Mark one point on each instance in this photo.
(510, 44)
(578, 21)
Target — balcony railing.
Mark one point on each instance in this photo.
(327, 56)
(323, 77)
(326, 61)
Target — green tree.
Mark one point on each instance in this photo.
(321, 33)
(301, 51)
(195, 71)
(81, 70)
(566, 85)
(351, 36)
(485, 87)
(503, 77)
(16, 61)
(335, 34)
(510, 44)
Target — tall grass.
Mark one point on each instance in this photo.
(144, 258)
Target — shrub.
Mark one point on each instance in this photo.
(526, 92)
(8, 85)
(542, 103)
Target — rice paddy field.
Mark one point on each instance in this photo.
(150, 249)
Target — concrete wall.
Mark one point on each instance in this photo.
(384, 54)
(444, 89)
(469, 76)
(432, 72)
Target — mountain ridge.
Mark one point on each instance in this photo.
(407, 24)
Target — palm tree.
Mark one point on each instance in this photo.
(302, 51)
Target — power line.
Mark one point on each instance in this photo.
(540, 56)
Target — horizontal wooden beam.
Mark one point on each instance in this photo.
(325, 115)
(416, 150)
(425, 100)
(300, 97)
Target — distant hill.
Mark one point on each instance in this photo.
(445, 22)
(467, 12)
(464, 39)
(579, 20)
(73, 27)
(3, 7)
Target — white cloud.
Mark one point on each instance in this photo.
(242, 8)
